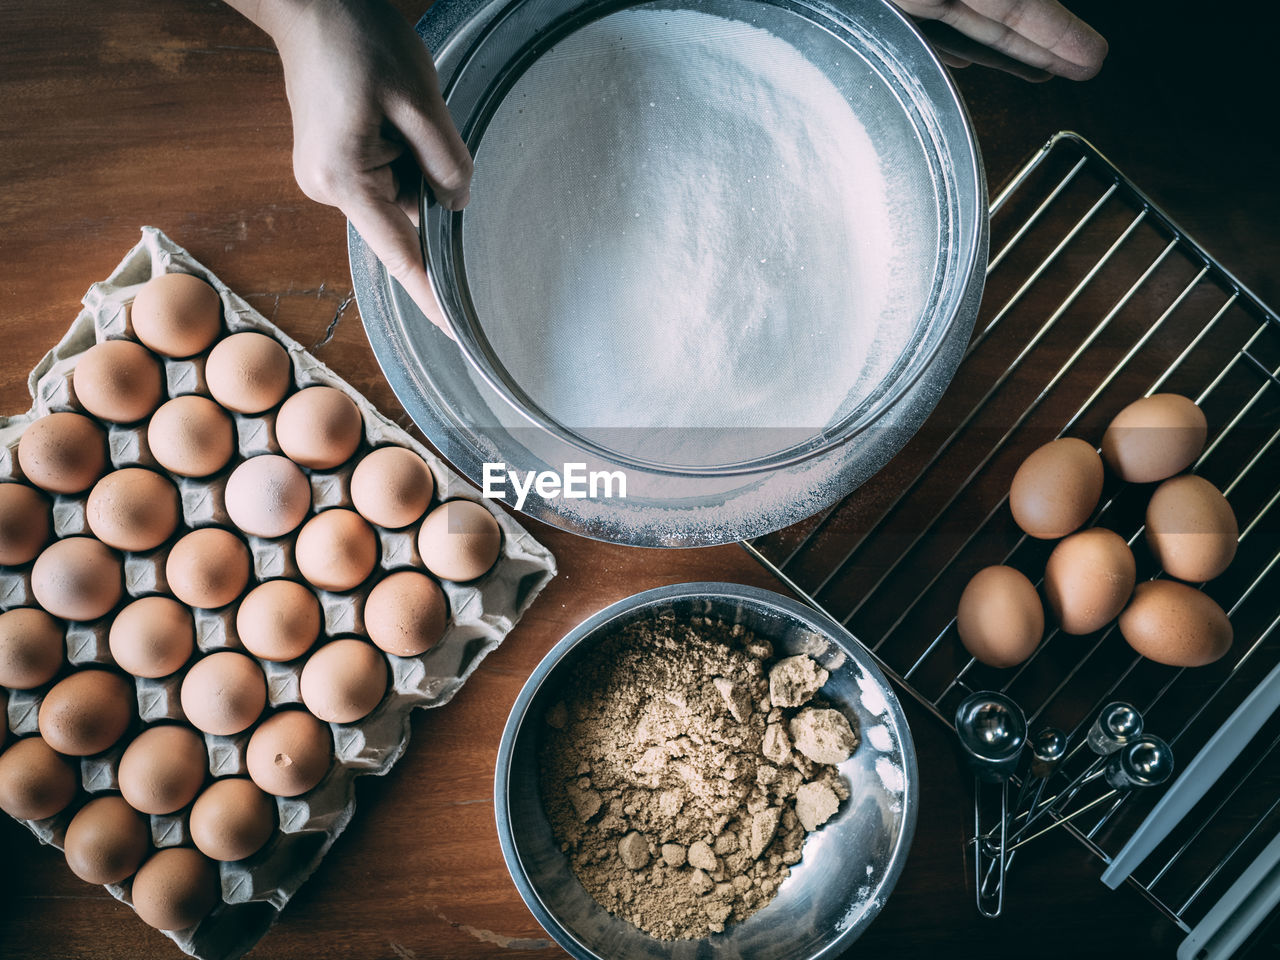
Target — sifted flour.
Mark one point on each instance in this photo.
(678, 222)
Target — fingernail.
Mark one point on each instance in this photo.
(458, 200)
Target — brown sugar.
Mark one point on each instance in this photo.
(679, 777)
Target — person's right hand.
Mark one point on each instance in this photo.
(1035, 39)
(368, 122)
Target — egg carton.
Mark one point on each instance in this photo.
(481, 613)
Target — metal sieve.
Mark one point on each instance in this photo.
(733, 248)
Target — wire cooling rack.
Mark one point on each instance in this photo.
(1094, 298)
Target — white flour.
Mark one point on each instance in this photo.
(679, 222)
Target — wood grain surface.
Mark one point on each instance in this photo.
(173, 113)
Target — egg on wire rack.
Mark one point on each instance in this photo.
(1191, 529)
(1056, 488)
(1088, 579)
(1172, 623)
(1000, 618)
(1154, 437)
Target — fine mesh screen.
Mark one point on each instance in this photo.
(697, 238)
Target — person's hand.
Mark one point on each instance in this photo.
(1035, 39)
(368, 120)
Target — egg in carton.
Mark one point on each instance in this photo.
(481, 613)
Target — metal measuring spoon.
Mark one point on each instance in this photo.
(992, 729)
(1118, 724)
(1144, 763)
(1048, 747)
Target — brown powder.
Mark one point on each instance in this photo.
(671, 779)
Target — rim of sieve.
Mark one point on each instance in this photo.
(946, 301)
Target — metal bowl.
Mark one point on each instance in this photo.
(461, 394)
(850, 864)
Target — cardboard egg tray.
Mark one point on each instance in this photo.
(480, 613)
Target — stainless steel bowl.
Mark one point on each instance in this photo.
(850, 864)
(460, 393)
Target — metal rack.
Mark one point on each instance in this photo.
(1135, 307)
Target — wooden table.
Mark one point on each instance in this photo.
(173, 114)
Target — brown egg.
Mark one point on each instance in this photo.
(107, 841)
(176, 315)
(24, 523)
(152, 637)
(163, 769)
(1056, 488)
(4, 717)
(77, 579)
(133, 509)
(224, 693)
(208, 568)
(35, 782)
(319, 427)
(175, 889)
(278, 620)
(1170, 622)
(1155, 437)
(406, 613)
(31, 645)
(289, 753)
(86, 712)
(344, 680)
(268, 496)
(336, 550)
(1088, 580)
(392, 487)
(232, 819)
(63, 452)
(1191, 528)
(1000, 619)
(119, 381)
(191, 436)
(460, 540)
(248, 372)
